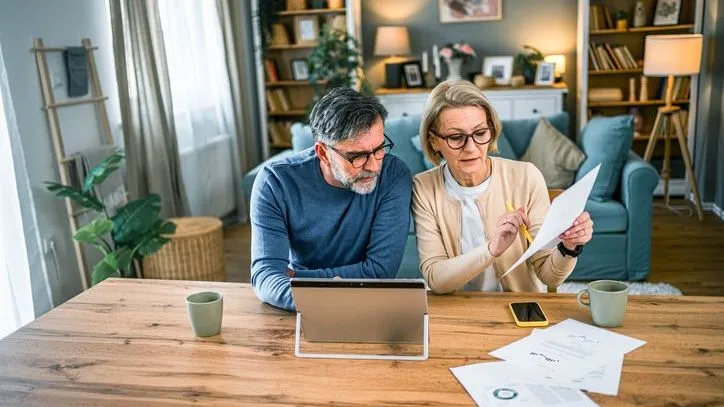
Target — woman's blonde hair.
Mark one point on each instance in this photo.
(455, 93)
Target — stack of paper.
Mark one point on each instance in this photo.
(550, 367)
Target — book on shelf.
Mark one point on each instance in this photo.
(611, 57)
(600, 18)
(282, 99)
(270, 68)
(275, 133)
(609, 20)
(272, 102)
(594, 60)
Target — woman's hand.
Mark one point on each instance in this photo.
(580, 233)
(506, 231)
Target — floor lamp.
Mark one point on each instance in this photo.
(669, 56)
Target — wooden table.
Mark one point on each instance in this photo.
(128, 342)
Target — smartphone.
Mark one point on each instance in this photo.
(528, 314)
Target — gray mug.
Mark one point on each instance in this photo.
(205, 310)
(607, 301)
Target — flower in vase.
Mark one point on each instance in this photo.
(459, 50)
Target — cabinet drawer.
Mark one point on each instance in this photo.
(535, 107)
(403, 105)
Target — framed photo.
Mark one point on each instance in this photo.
(544, 73)
(667, 12)
(463, 11)
(500, 68)
(300, 69)
(306, 30)
(413, 74)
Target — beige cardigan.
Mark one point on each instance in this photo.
(438, 229)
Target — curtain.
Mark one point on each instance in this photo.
(16, 299)
(144, 89)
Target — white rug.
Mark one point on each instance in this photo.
(634, 288)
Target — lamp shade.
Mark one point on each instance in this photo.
(666, 55)
(560, 61)
(392, 40)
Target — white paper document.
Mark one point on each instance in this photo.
(563, 212)
(495, 384)
(567, 353)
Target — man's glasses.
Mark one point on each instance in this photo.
(457, 141)
(359, 159)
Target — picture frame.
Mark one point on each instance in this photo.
(299, 69)
(500, 68)
(413, 74)
(667, 12)
(544, 73)
(306, 30)
(463, 11)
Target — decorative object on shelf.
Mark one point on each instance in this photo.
(437, 74)
(621, 20)
(658, 62)
(413, 74)
(501, 68)
(667, 12)
(605, 95)
(560, 61)
(462, 11)
(279, 35)
(525, 63)
(296, 5)
(318, 4)
(639, 18)
(544, 73)
(268, 15)
(638, 120)
(306, 30)
(337, 22)
(484, 82)
(517, 81)
(299, 69)
(455, 55)
(393, 42)
(632, 89)
(134, 231)
(335, 4)
(644, 95)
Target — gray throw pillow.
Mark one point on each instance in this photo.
(556, 156)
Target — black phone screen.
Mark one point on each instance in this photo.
(528, 311)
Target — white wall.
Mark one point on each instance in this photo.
(59, 23)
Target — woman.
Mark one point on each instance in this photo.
(466, 237)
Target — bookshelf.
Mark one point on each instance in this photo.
(282, 97)
(608, 57)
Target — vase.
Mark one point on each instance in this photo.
(454, 66)
(639, 14)
(336, 4)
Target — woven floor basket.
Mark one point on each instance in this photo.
(195, 252)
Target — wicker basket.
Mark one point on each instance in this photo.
(195, 252)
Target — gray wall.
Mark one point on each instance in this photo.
(709, 141)
(547, 25)
(59, 23)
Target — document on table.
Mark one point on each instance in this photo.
(563, 212)
(494, 384)
(567, 351)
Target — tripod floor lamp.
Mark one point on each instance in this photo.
(669, 56)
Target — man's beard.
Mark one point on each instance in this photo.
(353, 184)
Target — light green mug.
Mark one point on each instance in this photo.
(205, 311)
(607, 301)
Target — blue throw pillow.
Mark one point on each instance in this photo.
(418, 146)
(606, 141)
(505, 150)
(302, 137)
(519, 132)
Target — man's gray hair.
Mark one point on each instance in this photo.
(342, 114)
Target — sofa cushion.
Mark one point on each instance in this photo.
(554, 154)
(504, 148)
(606, 141)
(417, 143)
(302, 137)
(608, 216)
(519, 132)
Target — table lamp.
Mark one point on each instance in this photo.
(560, 61)
(392, 42)
(669, 56)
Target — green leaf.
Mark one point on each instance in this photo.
(101, 171)
(155, 239)
(108, 267)
(93, 231)
(124, 257)
(134, 219)
(82, 198)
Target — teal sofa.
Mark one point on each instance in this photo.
(621, 244)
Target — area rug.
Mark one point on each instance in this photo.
(634, 288)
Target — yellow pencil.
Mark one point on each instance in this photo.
(523, 229)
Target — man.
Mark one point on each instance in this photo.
(339, 209)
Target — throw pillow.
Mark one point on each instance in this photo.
(505, 150)
(418, 146)
(606, 141)
(555, 155)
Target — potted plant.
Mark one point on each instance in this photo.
(334, 62)
(135, 230)
(526, 63)
(455, 55)
(621, 20)
(268, 14)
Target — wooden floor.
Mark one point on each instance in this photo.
(685, 252)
